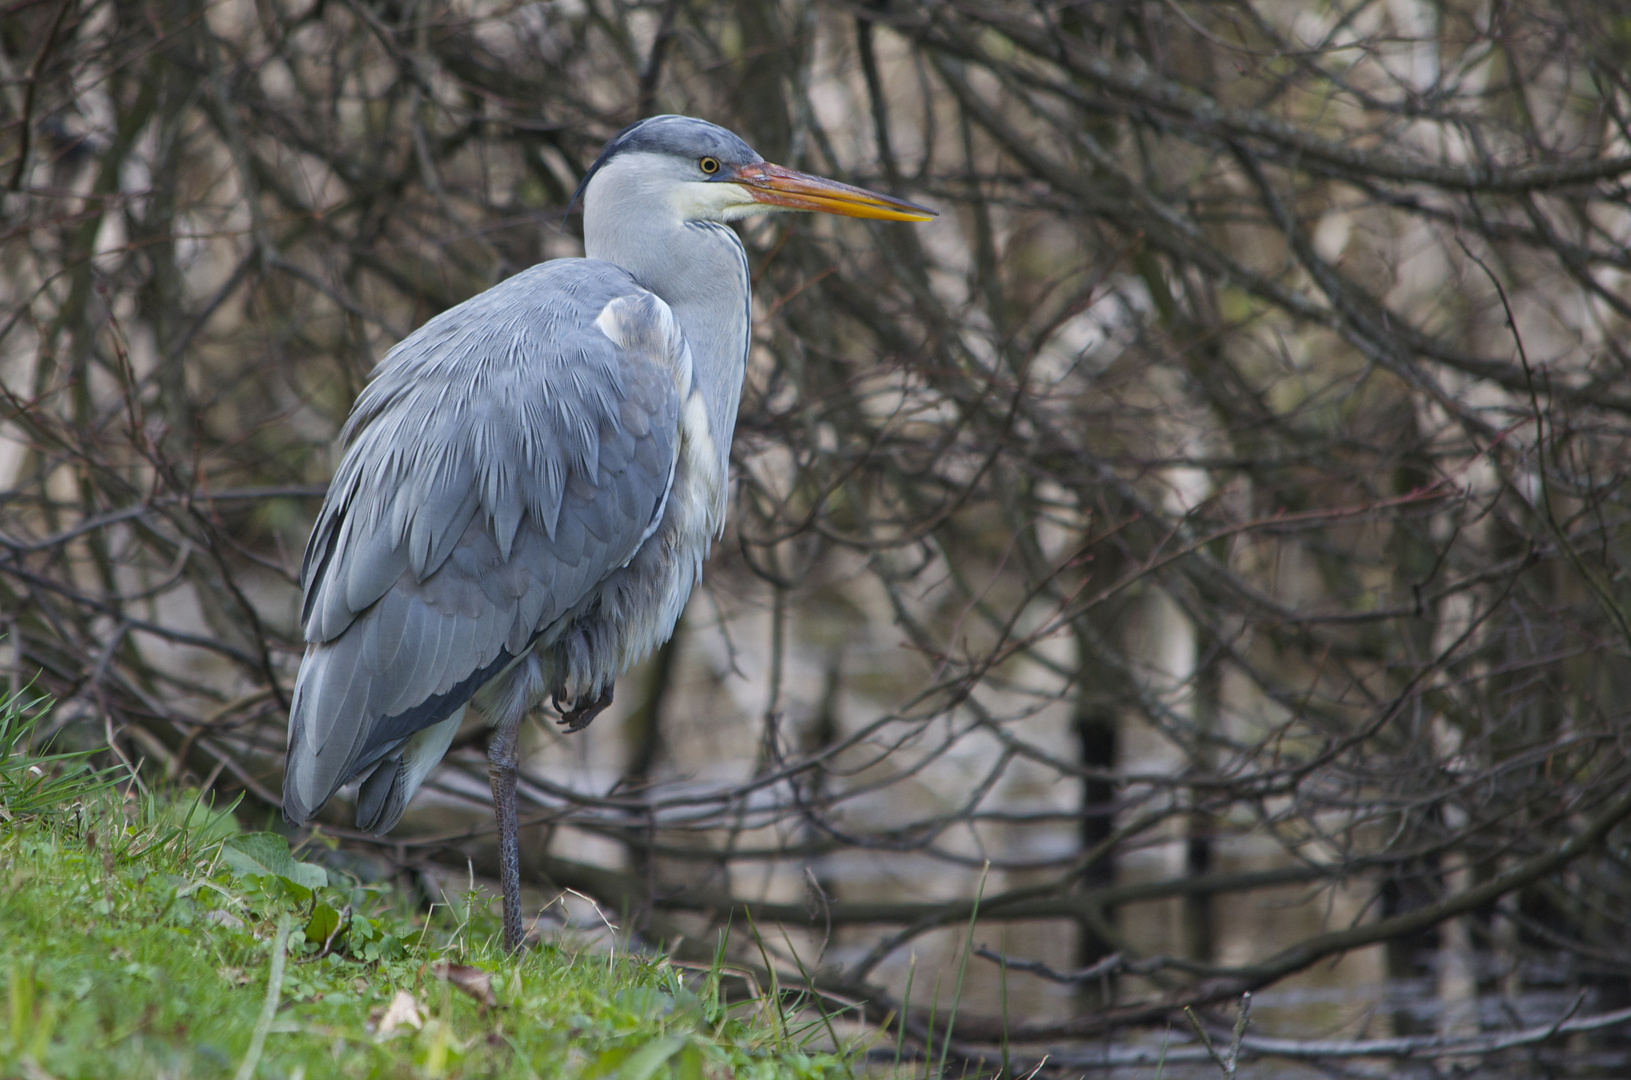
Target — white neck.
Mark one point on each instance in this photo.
(698, 268)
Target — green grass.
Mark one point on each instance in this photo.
(138, 933)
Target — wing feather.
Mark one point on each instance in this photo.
(505, 459)
(388, 627)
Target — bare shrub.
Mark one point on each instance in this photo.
(1221, 506)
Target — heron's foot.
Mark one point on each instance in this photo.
(577, 716)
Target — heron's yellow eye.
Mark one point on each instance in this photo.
(709, 165)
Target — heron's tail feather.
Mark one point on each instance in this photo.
(385, 794)
(323, 753)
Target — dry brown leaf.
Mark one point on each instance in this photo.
(472, 980)
(402, 1010)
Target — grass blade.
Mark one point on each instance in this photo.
(274, 990)
(1002, 986)
(900, 1021)
(962, 969)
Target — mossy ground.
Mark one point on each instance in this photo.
(137, 935)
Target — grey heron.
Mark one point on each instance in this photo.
(533, 478)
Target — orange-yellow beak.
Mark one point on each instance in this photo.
(776, 186)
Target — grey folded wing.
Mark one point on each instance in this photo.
(506, 458)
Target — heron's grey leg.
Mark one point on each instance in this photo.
(502, 755)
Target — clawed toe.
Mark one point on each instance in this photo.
(577, 716)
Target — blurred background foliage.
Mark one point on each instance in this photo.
(1205, 544)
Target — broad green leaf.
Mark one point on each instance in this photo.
(689, 1065)
(644, 1062)
(322, 925)
(312, 877)
(297, 892)
(265, 853)
(609, 1063)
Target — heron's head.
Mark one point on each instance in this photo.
(697, 171)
